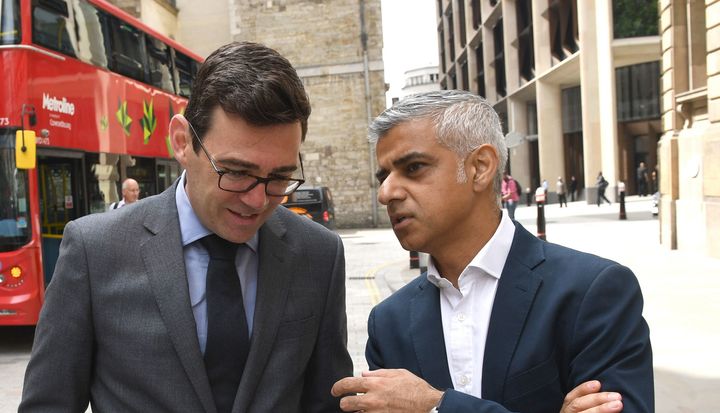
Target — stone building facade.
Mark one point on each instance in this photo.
(689, 150)
(161, 15)
(575, 82)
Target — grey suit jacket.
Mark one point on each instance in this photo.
(117, 329)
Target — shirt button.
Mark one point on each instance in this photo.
(464, 380)
(461, 317)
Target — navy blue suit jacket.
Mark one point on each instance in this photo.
(560, 317)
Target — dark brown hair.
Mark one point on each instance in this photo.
(251, 81)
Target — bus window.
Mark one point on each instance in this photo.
(14, 212)
(127, 50)
(159, 64)
(186, 71)
(9, 21)
(93, 40)
(53, 26)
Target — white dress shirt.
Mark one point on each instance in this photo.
(466, 311)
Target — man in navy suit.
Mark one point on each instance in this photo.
(501, 321)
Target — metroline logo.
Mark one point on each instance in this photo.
(54, 104)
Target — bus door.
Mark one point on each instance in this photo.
(60, 186)
(168, 170)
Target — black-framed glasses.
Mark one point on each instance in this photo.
(241, 182)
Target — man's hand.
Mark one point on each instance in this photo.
(386, 391)
(587, 398)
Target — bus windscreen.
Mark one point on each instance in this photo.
(9, 21)
(14, 214)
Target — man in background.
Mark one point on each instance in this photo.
(130, 194)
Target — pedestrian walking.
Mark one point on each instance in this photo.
(510, 196)
(572, 187)
(642, 179)
(602, 185)
(560, 187)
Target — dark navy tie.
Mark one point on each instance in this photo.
(227, 344)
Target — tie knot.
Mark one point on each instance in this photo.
(219, 248)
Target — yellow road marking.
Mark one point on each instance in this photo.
(370, 283)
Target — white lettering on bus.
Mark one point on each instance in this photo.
(54, 104)
(60, 124)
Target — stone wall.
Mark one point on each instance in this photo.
(322, 39)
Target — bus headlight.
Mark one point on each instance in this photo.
(16, 272)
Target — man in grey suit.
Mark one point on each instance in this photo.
(131, 321)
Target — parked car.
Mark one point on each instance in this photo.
(315, 203)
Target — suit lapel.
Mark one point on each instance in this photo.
(162, 255)
(274, 273)
(426, 332)
(516, 291)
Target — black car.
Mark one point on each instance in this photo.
(314, 203)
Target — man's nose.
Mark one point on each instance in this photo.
(390, 190)
(255, 198)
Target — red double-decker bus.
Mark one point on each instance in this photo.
(97, 88)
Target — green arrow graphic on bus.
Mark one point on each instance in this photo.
(167, 138)
(148, 121)
(123, 117)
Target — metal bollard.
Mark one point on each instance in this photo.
(621, 188)
(414, 260)
(423, 261)
(540, 201)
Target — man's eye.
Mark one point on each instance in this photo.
(414, 167)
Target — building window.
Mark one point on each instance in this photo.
(532, 127)
(476, 14)
(464, 74)
(461, 16)
(638, 91)
(562, 15)
(571, 110)
(480, 69)
(441, 42)
(451, 32)
(499, 63)
(526, 52)
(635, 18)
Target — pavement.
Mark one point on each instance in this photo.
(680, 289)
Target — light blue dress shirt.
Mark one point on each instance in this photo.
(196, 263)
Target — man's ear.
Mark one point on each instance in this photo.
(484, 161)
(180, 139)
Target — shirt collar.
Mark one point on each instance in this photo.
(191, 229)
(489, 260)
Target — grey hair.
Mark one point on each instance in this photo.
(463, 121)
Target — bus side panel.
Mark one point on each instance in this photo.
(13, 69)
(87, 108)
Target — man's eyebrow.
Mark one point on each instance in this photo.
(404, 160)
(241, 164)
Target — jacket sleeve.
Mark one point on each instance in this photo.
(611, 340)
(330, 360)
(57, 378)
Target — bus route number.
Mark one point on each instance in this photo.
(4, 121)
